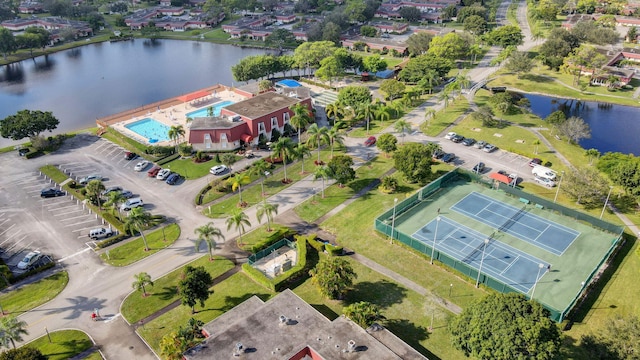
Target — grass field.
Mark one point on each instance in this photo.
(133, 251)
(445, 117)
(33, 295)
(64, 344)
(164, 290)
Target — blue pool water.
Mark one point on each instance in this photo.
(216, 110)
(151, 129)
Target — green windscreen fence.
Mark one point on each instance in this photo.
(384, 224)
(267, 251)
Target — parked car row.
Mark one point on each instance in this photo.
(456, 138)
(159, 173)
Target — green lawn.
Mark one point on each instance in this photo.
(256, 235)
(316, 207)
(445, 117)
(164, 290)
(190, 169)
(226, 295)
(396, 303)
(33, 295)
(133, 251)
(64, 344)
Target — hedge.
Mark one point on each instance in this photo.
(333, 250)
(168, 159)
(202, 193)
(258, 276)
(114, 221)
(15, 279)
(112, 240)
(32, 153)
(318, 245)
(277, 235)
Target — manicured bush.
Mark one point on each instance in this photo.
(275, 236)
(201, 194)
(114, 221)
(258, 276)
(317, 245)
(168, 159)
(112, 240)
(32, 153)
(333, 250)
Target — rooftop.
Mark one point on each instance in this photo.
(286, 327)
(262, 104)
(208, 123)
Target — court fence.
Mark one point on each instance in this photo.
(385, 224)
(267, 251)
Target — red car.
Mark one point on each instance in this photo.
(370, 141)
(154, 171)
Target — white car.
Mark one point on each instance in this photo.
(218, 169)
(29, 260)
(163, 174)
(450, 135)
(544, 181)
(141, 165)
(85, 180)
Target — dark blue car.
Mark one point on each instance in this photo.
(173, 178)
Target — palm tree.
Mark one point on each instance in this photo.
(335, 137)
(445, 97)
(536, 143)
(11, 330)
(175, 133)
(431, 77)
(301, 117)
(142, 280)
(94, 189)
(139, 218)
(397, 107)
(367, 110)
(463, 81)
(402, 126)
(261, 169)
(300, 152)
(334, 110)
(382, 112)
(592, 154)
(206, 233)
(114, 199)
(237, 181)
(322, 172)
(283, 148)
(238, 220)
(318, 135)
(267, 210)
(429, 114)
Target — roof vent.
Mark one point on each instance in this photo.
(283, 320)
(238, 349)
(351, 346)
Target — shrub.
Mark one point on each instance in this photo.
(333, 250)
(317, 245)
(32, 153)
(112, 240)
(167, 159)
(159, 150)
(114, 221)
(275, 236)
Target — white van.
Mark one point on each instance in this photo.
(543, 172)
(131, 203)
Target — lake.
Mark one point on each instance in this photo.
(89, 82)
(614, 128)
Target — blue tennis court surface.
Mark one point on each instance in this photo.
(501, 261)
(543, 233)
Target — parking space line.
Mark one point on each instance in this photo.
(61, 208)
(83, 229)
(74, 254)
(68, 212)
(9, 228)
(77, 217)
(15, 244)
(81, 222)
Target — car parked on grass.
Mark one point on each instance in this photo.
(110, 190)
(85, 180)
(479, 167)
(450, 135)
(535, 162)
(468, 141)
(546, 182)
(141, 165)
(448, 157)
(163, 174)
(218, 169)
(130, 155)
(47, 193)
(480, 144)
(371, 140)
(154, 171)
(173, 178)
(29, 260)
(489, 148)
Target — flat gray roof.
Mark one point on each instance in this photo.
(208, 123)
(262, 104)
(257, 325)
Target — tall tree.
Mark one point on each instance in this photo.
(138, 219)
(575, 129)
(450, 46)
(418, 43)
(413, 160)
(236, 182)
(194, 286)
(207, 233)
(393, 88)
(283, 148)
(586, 186)
(141, 281)
(519, 63)
(341, 169)
(387, 143)
(300, 118)
(318, 135)
(330, 69)
(363, 313)
(266, 210)
(506, 326)
(8, 43)
(260, 168)
(402, 126)
(323, 173)
(333, 276)
(115, 199)
(335, 137)
(592, 154)
(238, 220)
(301, 151)
(27, 123)
(93, 190)
(175, 133)
(11, 330)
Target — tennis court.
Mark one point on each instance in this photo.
(544, 233)
(501, 261)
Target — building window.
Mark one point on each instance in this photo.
(223, 140)
(274, 123)
(207, 141)
(285, 117)
(261, 128)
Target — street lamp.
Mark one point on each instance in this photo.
(558, 189)
(540, 266)
(393, 218)
(450, 288)
(606, 202)
(435, 234)
(484, 247)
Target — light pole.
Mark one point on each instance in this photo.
(450, 288)
(540, 266)
(606, 202)
(558, 189)
(484, 248)
(393, 219)
(435, 234)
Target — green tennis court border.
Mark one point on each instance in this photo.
(571, 273)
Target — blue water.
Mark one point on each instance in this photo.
(150, 129)
(289, 83)
(203, 112)
(614, 128)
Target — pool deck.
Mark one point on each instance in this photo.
(171, 112)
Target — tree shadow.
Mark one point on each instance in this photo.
(326, 311)
(359, 184)
(167, 293)
(232, 301)
(536, 78)
(625, 203)
(382, 293)
(411, 334)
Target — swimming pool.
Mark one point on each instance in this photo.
(151, 129)
(216, 110)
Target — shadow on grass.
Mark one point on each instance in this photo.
(72, 347)
(359, 184)
(580, 311)
(411, 334)
(536, 78)
(167, 293)
(382, 293)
